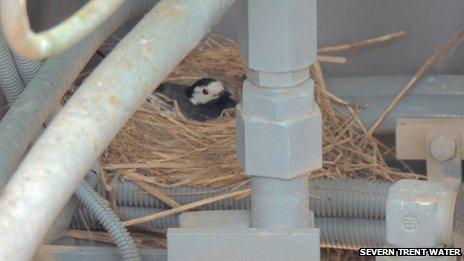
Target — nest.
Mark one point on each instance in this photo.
(168, 150)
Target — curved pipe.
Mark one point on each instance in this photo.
(29, 44)
(100, 209)
(94, 115)
(42, 95)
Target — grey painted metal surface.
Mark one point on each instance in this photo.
(277, 44)
(433, 96)
(248, 244)
(94, 115)
(26, 117)
(278, 148)
(39, 45)
(345, 233)
(411, 136)
(270, 146)
(278, 36)
(215, 219)
(444, 157)
(419, 214)
(427, 24)
(278, 203)
(79, 253)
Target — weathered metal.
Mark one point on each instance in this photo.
(27, 43)
(92, 117)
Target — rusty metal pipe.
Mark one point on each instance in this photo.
(57, 162)
(27, 43)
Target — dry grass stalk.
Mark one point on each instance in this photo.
(362, 43)
(237, 194)
(452, 41)
(170, 151)
(142, 240)
(331, 59)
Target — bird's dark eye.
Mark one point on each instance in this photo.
(205, 92)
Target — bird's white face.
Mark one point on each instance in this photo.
(206, 93)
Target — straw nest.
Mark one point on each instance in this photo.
(168, 150)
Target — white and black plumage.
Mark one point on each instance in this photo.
(204, 100)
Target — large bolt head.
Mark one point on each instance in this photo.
(282, 149)
(278, 103)
(443, 148)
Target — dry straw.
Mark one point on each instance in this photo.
(167, 151)
(156, 149)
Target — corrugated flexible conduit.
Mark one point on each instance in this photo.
(94, 115)
(28, 68)
(336, 232)
(350, 213)
(36, 104)
(328, 198)
(100, 209)
(24, 118)
(10, 79)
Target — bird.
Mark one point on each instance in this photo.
(204, 100)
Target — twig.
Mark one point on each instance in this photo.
(435, 56)
(89, 235)
(186, 207)
(331, 59)
(158, 194)
(362, 43)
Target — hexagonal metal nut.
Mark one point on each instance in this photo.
(279, 149)
(419, 214)
(278, 80)
(278, 36)
(275, 104)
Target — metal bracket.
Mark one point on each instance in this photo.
(226, 235)
(438, 141)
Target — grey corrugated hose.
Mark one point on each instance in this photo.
(350, 213)
(328, 198)
(10, 79)
(26, 116)
(28, 68)
(102, 212)
(41, 96)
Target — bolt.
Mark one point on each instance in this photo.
(443, 148)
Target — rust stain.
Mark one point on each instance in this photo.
(113, 101)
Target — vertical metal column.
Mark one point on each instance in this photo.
(279, 129)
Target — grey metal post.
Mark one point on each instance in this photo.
(279, 203)
(279, 142)
(279, 130)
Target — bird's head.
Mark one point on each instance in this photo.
(205, 91)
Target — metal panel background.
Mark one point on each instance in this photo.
(428, 23)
